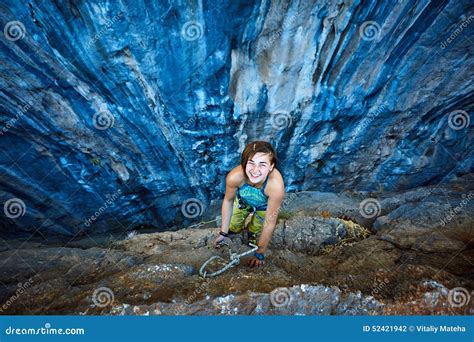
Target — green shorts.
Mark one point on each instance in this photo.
(237, 220)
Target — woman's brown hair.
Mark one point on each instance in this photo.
(255, 147)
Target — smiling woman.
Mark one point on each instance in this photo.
(255, 186)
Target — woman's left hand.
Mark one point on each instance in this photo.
(254, 262)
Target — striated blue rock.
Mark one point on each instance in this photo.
(116, 115)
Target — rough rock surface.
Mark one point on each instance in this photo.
(309, 234)
(296, 300)
(128, 109)
(310, 267)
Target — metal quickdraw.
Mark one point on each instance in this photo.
(234, 261)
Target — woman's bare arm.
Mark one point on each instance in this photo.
(231, 185)
(276, 193)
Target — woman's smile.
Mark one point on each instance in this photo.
(258, 167)
(255, 177)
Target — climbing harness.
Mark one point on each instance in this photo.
(234, 261)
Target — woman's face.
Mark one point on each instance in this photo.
(258, 167)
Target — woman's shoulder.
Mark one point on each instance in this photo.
(236, 176)
(275, 177)
(275, 182)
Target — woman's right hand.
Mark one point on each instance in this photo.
(219, 241)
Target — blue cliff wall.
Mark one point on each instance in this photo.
(118, 114)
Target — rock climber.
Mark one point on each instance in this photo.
(255, 186)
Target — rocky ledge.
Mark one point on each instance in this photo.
(397, 253)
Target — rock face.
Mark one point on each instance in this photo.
(116, 114)
(296, 300)
(316, 264)
(309, 234)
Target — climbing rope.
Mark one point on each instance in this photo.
(234, 261)
(201, 224)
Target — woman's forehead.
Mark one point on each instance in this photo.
(261, 157)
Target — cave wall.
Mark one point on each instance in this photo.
(116, 115)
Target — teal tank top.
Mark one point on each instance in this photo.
(253, 197)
